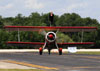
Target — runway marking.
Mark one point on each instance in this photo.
(30, 65)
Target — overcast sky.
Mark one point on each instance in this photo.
(85, 8)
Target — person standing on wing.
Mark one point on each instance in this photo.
(51, 17)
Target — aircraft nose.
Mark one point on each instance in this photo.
(50, 36)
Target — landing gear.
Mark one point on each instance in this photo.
(49, 51)
(60, 51)
(40, 50)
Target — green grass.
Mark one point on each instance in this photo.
(95, 53)
(20, 70)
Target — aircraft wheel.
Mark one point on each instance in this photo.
(60, 51)
(40, 51)
(49, 51)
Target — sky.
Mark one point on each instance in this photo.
(85, 8)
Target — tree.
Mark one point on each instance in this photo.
(61, 38)
(35, 19)
(67, 19)
(1, 25)
(19, 20)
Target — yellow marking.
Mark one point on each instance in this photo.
(30, 65)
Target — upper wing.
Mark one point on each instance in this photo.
(65, 45)
(62, 29)
(25, 44)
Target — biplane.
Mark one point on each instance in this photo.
(50, 37)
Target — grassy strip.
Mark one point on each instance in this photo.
(20, 70)
(96, 53)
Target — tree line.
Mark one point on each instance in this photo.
(36, 19)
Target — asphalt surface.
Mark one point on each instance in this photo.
(65, 62)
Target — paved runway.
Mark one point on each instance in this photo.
(65, 62)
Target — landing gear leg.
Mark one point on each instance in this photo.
(49, 51)
(40, 51)
(60, 51)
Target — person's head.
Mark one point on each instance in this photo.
(51, 13)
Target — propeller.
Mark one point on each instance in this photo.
(43, 32)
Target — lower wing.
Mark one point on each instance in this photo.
(40, 44)
(65, 45)
(26, 44)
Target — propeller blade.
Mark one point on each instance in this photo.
(43, 32)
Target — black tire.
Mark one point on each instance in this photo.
(60, 52)
(49, 52)
(40, 52)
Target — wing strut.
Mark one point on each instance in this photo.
(82, 35)
(18, 36)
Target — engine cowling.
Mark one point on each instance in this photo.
(50, 37)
